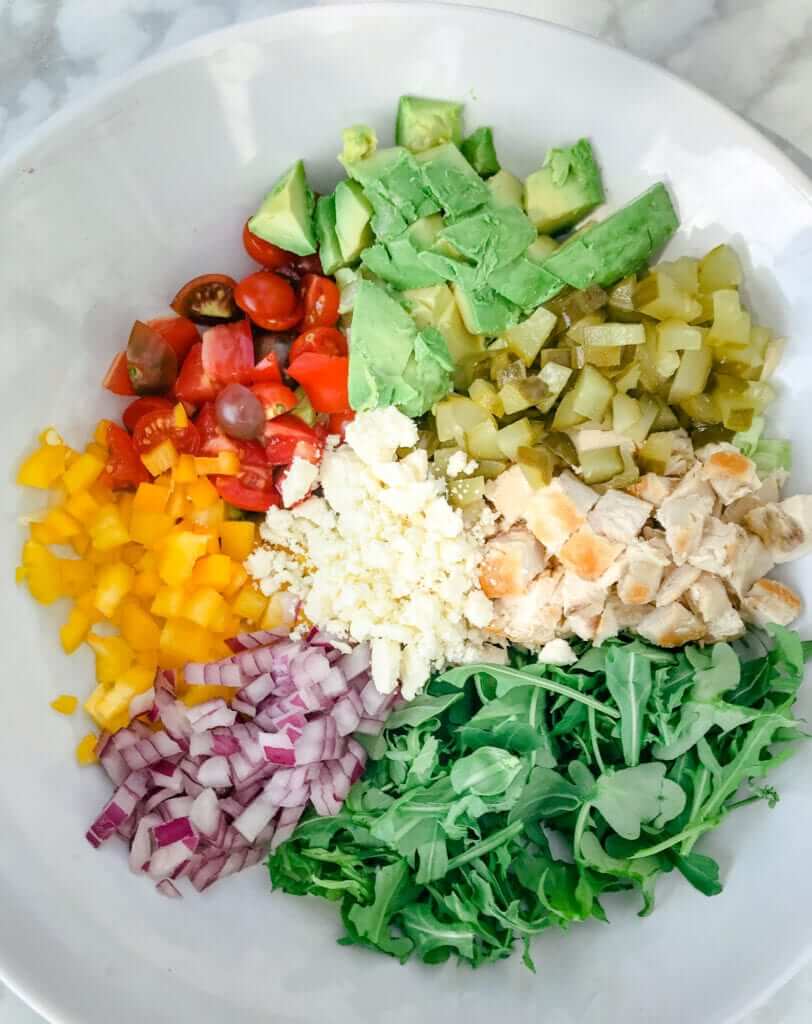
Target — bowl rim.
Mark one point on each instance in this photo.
(222, 37)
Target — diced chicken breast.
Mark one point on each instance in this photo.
(582, 496)
(553, 516)
(619, 516)
(557, 652)
(533, 618)
(676, 582)
(769, 601)
(652, 488)
(781, 533)
(719, 547)
(510, 562)
(799, 507)
(708, 598)
(731, 474)
(641, 575)
(753, 561)
(584, 624)
(509, 494)
(607, 626)
(627, 616)
(671, 626)
(683, 519)
(587, 554)
(682, 456)
(577, 594)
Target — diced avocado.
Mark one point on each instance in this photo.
(506, 189)
(285, 216)
(449, 268)
(619, 245)
(435, 307)
(391, 361)
(423, 234)
(427, 305)
(394, 185)
(424, 123)
(325, 224)
(565, 189)
(353, 215)
(484, 311)
(478, 149)
(451, 180)
(397, 263)
(525, 283)
(359, 142)
(490, 237)
(541, 249)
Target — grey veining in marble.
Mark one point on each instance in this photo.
(753, 55)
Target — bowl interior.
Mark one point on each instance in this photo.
(102, 217)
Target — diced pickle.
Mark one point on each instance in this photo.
(562, 356)
(691, 377)
(522, 434)
(685, 271)
(526, 339)
(592, 394)
(481, 441)
(639, 430)
(565, 415)
(464, 491)
(455, 415)
(572, 306)
(521, 394)
(513, 370)
(625, 412)
(499, 363)
(721, 268)
(716, 434)
(441, 458)
(665, 418)
(731, 324)
(537, 464)
(621, 301)
(613, 335)
(701, 409)
(491, 468)
(576, 332)
(555, 378)
(562, 446)
(659, 296)
(654, 453)
(772, 357)
(485, 395)
(601, 464)
(676, 336)
(601, 355)
(629, 379)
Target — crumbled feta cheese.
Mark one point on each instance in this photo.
(382, 557)
(557, 652)
(460, 465)
(298, 481)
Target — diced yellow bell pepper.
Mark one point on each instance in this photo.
(41, 534)
(150, 498)
(80, 544)
(202, 493)
(169, 602)
(75, 630)
(131, 553)
(279, 613)
(114, 582)
(103, 557)
(176, 507)
(180, 552)
(185, 472)
(35, 553)
(87, 603)
(249, 604)
(62, 525)
(101, 433)
(162, 457)
(147, 527)
(84, 472)
(137, 679)
(149, 659)
(65, 704)
(20, 574)
(148, 562)
(205, 607)
(184, 640)
(113, 656)
(138, 627)
(213, 571)
(76, 575)
(108, 530)
(200, 694)
(44, 467)
(238, 538)
(45, 582)
(125, 506)
(82, 507)
(110, 707)
(239, 577)
(147, 583)
(180, 416)
(224, 464)
(86, 750)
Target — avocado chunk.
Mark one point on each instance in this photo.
(436, 307)
(392, 362)
(565, 189)
(506, 189)
(359, 142)
(424, 123)
(478, 149)
(451, 180)
(526, 283)
(393, 183)
(353, 215)
(490, 237)
(325, 224)
(396, 261)
(285, 216)
(541, 249)
(484, 310)
(619, 245)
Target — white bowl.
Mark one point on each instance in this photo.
(104, 213)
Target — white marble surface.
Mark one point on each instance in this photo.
(753, 55)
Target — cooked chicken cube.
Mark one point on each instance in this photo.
(671, 626)
(731, 474)
(781, 533)
(627, 616)
(511, 561)
(799, 507)
(533, 618)
(652, 488)
(641, 574)
(509, 494)
(608, 625)
(584, 624)
(676, 582)
(553, 516)
(577, 593)
(619, 516)
(582, 496)
(769, 601)
(719, 547)
(683, 520)
(682, 454)
(557, 652)
(752, 561)
(708, 598)
(587, 554)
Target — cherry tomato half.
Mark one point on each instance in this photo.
(327, 341)
(208, 299)
(117, 378)
(287, 437)
(178, 332)
(232, 490)
(212, 438)
(141, 406)
(321, 300)
(309, 264)
(324, 379)
(193, 385)
(268, 299)
(276, 398)
(265, 253)
(253, 488)
(267, 370)
(159, 425)
(123, 469)
(151, 361)
(338, 421)
(228, 353)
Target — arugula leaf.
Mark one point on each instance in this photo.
(633, 796)
(486, 772)
(628, 677)
(433, 939)
(701, 871)
(546, 794)
(372, 922)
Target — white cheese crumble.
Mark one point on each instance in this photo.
(382, 557)
(298, 481)
(460, 465)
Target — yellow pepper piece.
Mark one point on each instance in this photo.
(249, 604)
(150, 498)
(108, 530)
(74, 630)
(113, 656)
(84, 472)
(82, 507)
(279, 612)
(148, 527)
(202, 493)
(162, 457)
(224, 464)
(65, 704)
(180, 552)
(138, 627)
(42, 535)
(185, 472)
(238, 539)
(114, 583)
(169, 602)
(76, 575)
(184, 640)
(200, 694)
(80, 544)
(239, 577)
(213, 571)
(147, 583)
(86, 750)
(180, 417)
(177, 502)
(100, 434)
(61, 525)
(205, 607)
(45, 582)
(44, 467)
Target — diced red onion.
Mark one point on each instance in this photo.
(357, 661)
(286, 826)
(166, 887)
(205, 814)
(215, 771)
(255, 817)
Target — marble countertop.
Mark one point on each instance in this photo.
(753, 55)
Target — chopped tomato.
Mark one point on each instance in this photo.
(321, 299)
(208, 299)
(228, 353)
(212, 438)
(237, 494)
(287, 437)
(159, 425)
(267, 298)
(267, 370)
(253, 488)
(151, 361)
(193, 385)
(276, 398)
(141, 406)
(309, 264)
(123, 469)
(338, 421)
(324, 379)
(266, 253)
(327, 341)
(117, 378)
(178, 332)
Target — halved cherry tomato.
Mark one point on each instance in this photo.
(266, 253)
(253, 488)
(208, 299)
(327, 341)
(123, 469)
(267, 370)
(159, 425)
(237, 494)
(228, 353)
(193, 385)
(324, 379)
(338, 421)
(276, 398)
(151, 361)
(141, 406)
(287, 437)
(268, 299)
(309, 264)
(117, 378)
(212, 438)
(178, 332)
(321, 299)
